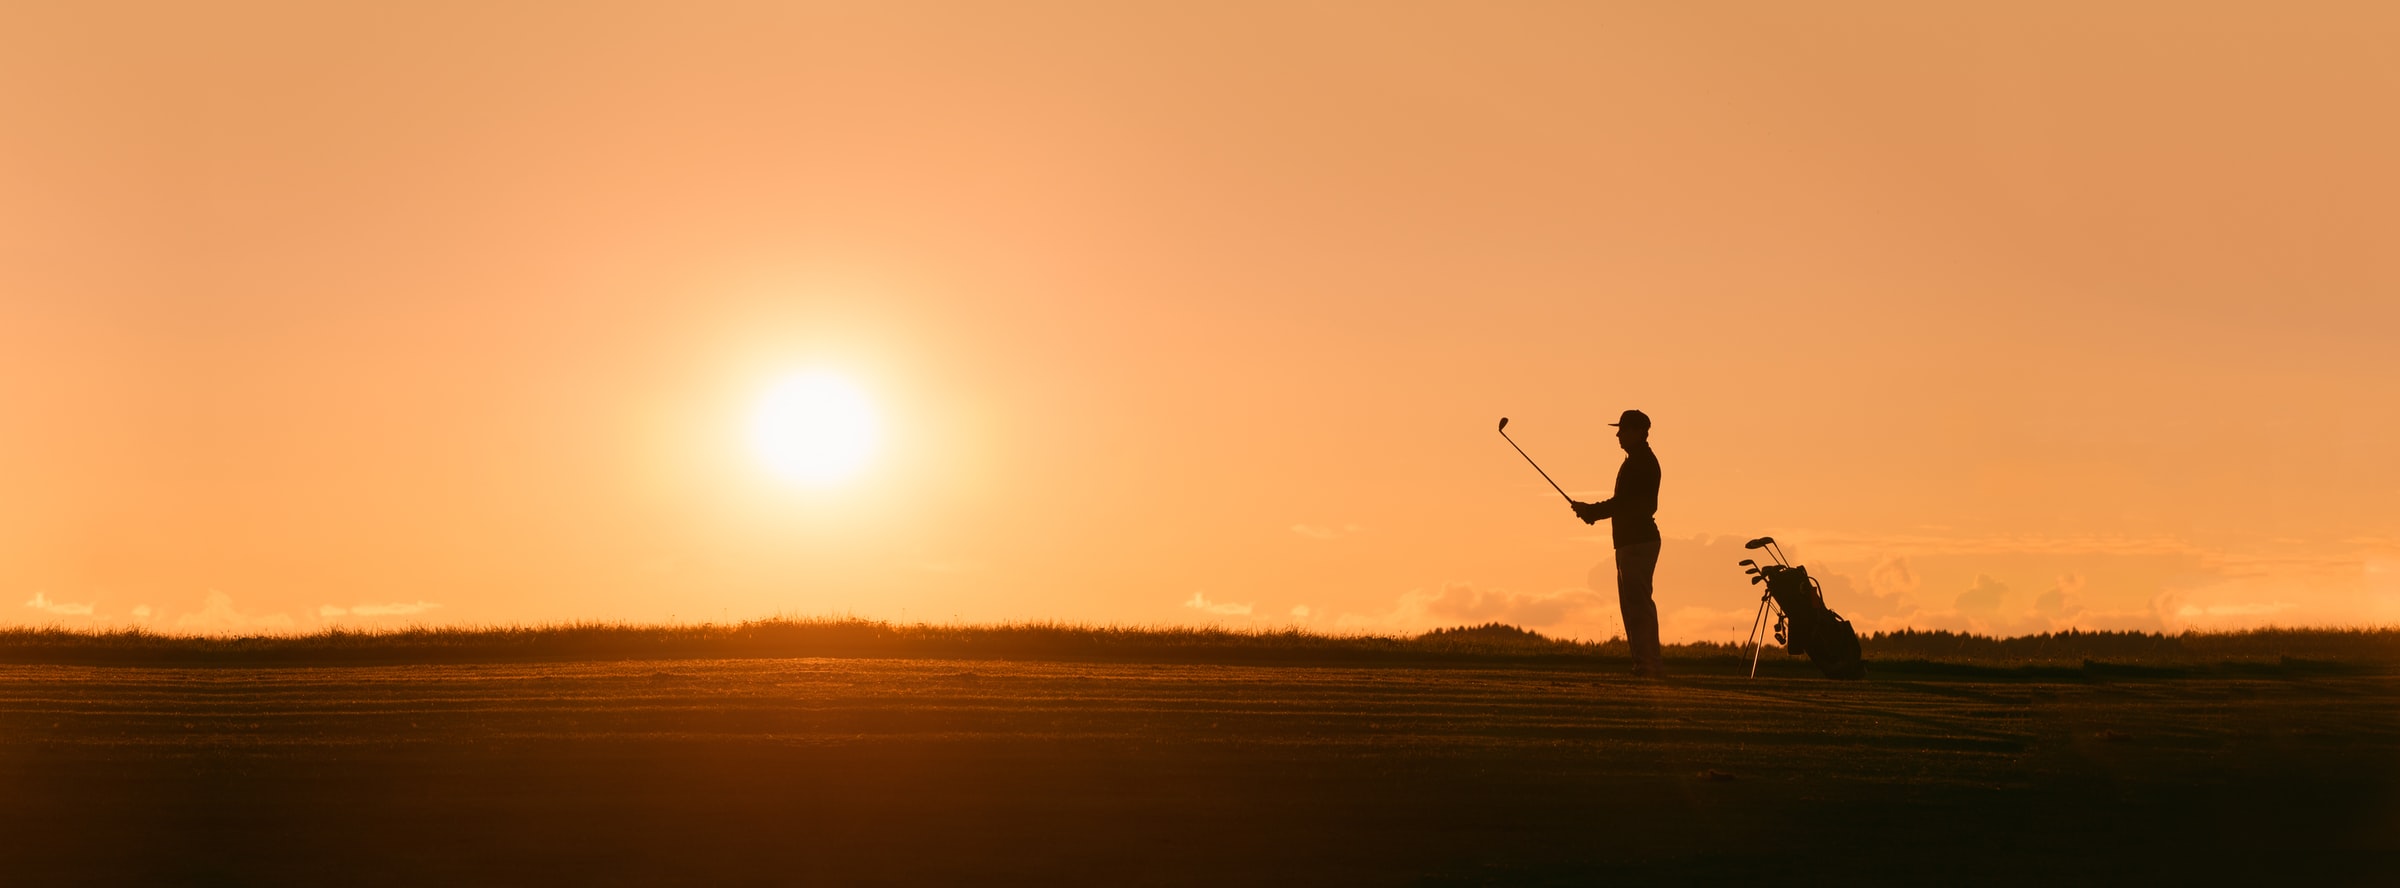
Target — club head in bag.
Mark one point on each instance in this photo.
(1758, 543)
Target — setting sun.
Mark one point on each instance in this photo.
(813, 428)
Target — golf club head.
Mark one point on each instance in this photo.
(1747, 563)
(1753, 571)
(1761, 541)
(1504, 423)
(1757, 579)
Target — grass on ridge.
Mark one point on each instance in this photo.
(775, 637)
(2380, 645)
(846, 637)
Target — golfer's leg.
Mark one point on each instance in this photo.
(1635, 566)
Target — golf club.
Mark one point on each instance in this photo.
(1512, 442)
(1765, 542)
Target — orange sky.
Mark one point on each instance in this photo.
(2011, 319)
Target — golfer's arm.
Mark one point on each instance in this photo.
(1606, 507)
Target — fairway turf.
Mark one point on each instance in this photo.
(863, 771)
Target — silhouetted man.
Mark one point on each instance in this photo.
(1633, 525)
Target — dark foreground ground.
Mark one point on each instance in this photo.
(851, 771)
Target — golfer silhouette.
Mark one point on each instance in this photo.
(1633, 525)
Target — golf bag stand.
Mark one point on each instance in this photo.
(1757, 639)
(1803, 625)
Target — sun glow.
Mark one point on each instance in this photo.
(814, 428)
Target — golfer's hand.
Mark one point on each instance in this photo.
(1589, 512)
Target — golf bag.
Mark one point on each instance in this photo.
(1803, 624)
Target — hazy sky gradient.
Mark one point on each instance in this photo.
(2009, 318)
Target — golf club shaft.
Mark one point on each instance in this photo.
(1760, 646)
(1512, 442)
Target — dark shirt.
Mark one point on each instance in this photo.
(1632, 511)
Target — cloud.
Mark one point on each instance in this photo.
(1327, 531)
(1892, 578)
(1300, 611)
(2123, 577)
(378, 610)
(1701, 623)
(41, 602)
(394, 609)
(1558, 612)
(2059, 605)
(216, 616)
(1700, 591)
(1850, 546)
(141, 613)
(1986, 583)
(1464, 602)
(2009, 585)
(1888, 589)
(2234, 610)
(1984, 597)
(2025, 583)
(1201, 603)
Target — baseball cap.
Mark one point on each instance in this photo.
(1633, 419)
